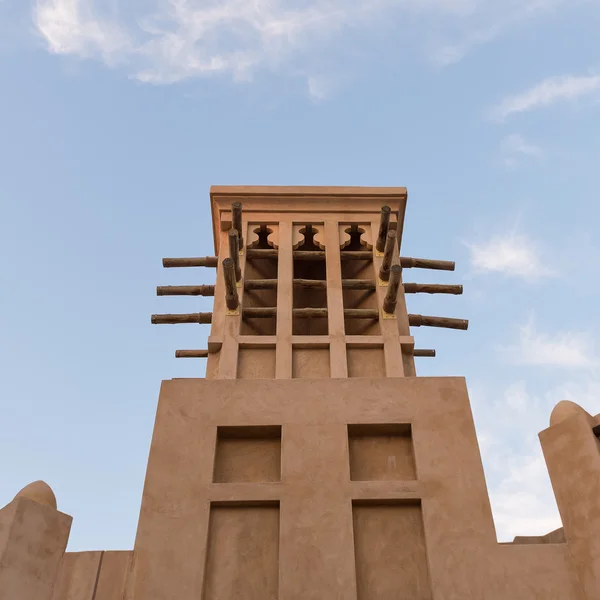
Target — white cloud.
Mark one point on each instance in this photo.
(71, 27)
(566, 349)
(511, 254)
(515, 148)
(508, 424)
(546, 93)
(489, 21)
(172, 40)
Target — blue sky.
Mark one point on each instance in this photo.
(116, 117)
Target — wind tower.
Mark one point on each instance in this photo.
(308, 446)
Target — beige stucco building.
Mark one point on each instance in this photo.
(312, 463)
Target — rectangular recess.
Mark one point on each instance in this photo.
(381, 452)
(366, 361)
(389, 550)
(257, 362)
(248, 454)
(310, 362)
(242, 555)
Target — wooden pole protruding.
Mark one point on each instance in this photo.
(432, 288)
(424, 353)
(391, 296)
(445, 322)
(234, 252)
(232, 300)
(202, 318)
(384, 225)
(388, 256)
(236, 221)
(427, 263)
(191, 353)
(200, 261)
(185, 290)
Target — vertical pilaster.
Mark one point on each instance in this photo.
(228, 326)
(335, 302)
(392, 349)
(285, 297)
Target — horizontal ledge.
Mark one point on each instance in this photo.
(383, 491)
(308, 190)
(424, 353)
(185, 290)
(191, 353)
(349, 313)
(245, 492)
(349, 284)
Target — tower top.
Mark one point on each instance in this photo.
(309, 284)
(355, 200)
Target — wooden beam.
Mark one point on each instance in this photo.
(391, 296)
(426, 263)
(236, 221)
(349, 284)
(232, 299)
(185, 290)
(424, 353)
(405, 261)
(432, 288)
(204, 261)
(445, 322)
(234, 252)
(271, 311)
(388, 256)
(191, 353)
(384, 225)
(202, 318)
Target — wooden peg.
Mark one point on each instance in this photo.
(424, 353)
(426, 263)
(191, 353)
(432, 288)
(232, 299)
(234, 252)
(185, 290)
(205, 261)
(445, 322)
(391, 296)
(202, 318)
(236, 221)
(384, 225)
(388, 256)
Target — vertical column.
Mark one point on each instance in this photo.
(335, 302)
(316, 554)
(228, 325)
(285, 291)
(33, 538)
(572, 454)
(391, 328)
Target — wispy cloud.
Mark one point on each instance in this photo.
(515, 148)
(508, 424)
(72, 27)
(172, 40)
(488, 22)
(511, 254)
(563, 349)
(546, 93)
